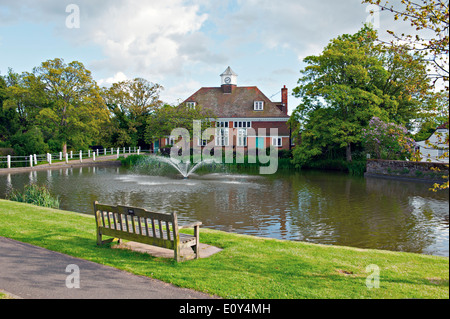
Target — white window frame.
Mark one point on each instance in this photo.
(222, 124)
(277, 141)
(222, 136)
(170, 140)
(242, 124)
(242, 137)
(191, 105)
(258, 105)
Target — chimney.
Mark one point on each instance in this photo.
(284, 99)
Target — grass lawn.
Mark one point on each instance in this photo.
(248, 267)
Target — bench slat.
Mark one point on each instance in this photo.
(161, 235)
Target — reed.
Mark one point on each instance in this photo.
(34, 194)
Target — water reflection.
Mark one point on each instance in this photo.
(327, 208)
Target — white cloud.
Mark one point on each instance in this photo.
(178, 93)
(118, 77)
(150, 37)
(142, 35)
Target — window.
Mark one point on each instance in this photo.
(222, 124)
(242, 137)
(221, 137)
(202, 142)
(277, 141)
(191, 105)
(442, 152)
(258, 106)
(170, 141)
(222, 133)
(242, 124)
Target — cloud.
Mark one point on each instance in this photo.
(304, 27)
(153, 37)
(118, 77)
(177, 93)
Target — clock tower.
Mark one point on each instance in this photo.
(229, 80)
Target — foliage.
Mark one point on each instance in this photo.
(34, 194)
(130, 103)
(161, 123)
(424, 15)
(9, 119)
(64, 102)
(353, 80)
(77, 111)
(433, 17)
(30, 142)
(387, 141)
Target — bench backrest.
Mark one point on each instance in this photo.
(137, 224)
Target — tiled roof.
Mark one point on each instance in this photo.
(239, 103)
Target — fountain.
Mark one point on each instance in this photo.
(184, 168)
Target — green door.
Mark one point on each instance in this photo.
(260, 142)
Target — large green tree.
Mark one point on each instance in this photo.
(76, 113)
(353, 80)
(130, 103)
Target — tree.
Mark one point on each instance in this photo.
(76, 112)
(29, 142)
(431, 16)
(130, 103)
(161, 123)
(9, 122)
(353, 80)
(24, 94)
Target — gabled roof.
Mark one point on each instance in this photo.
(238, 103)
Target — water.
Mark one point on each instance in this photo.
(184, 168)
(318, 207)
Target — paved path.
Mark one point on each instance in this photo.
(32, 272)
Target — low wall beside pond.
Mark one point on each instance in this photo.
(420, 171)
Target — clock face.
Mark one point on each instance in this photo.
(227, 80)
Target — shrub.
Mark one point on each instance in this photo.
(387, 141)
(34, 194)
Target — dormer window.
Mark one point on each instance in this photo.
(258, 106)
(191, 105)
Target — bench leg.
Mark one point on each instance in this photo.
(197, 242)
(99, 238)
(176, 253)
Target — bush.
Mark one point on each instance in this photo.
(387, 141)
(34, 194)
(30, 142)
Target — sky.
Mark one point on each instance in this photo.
(182, 45)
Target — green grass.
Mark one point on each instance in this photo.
(248, 267)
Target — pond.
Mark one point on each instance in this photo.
(318, 207)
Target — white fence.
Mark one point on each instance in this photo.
(34, 159)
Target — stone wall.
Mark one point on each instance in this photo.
(421, 171)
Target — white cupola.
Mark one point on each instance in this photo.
(229, 77)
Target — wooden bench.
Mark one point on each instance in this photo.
(140, 225)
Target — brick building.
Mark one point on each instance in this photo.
(241, 111)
